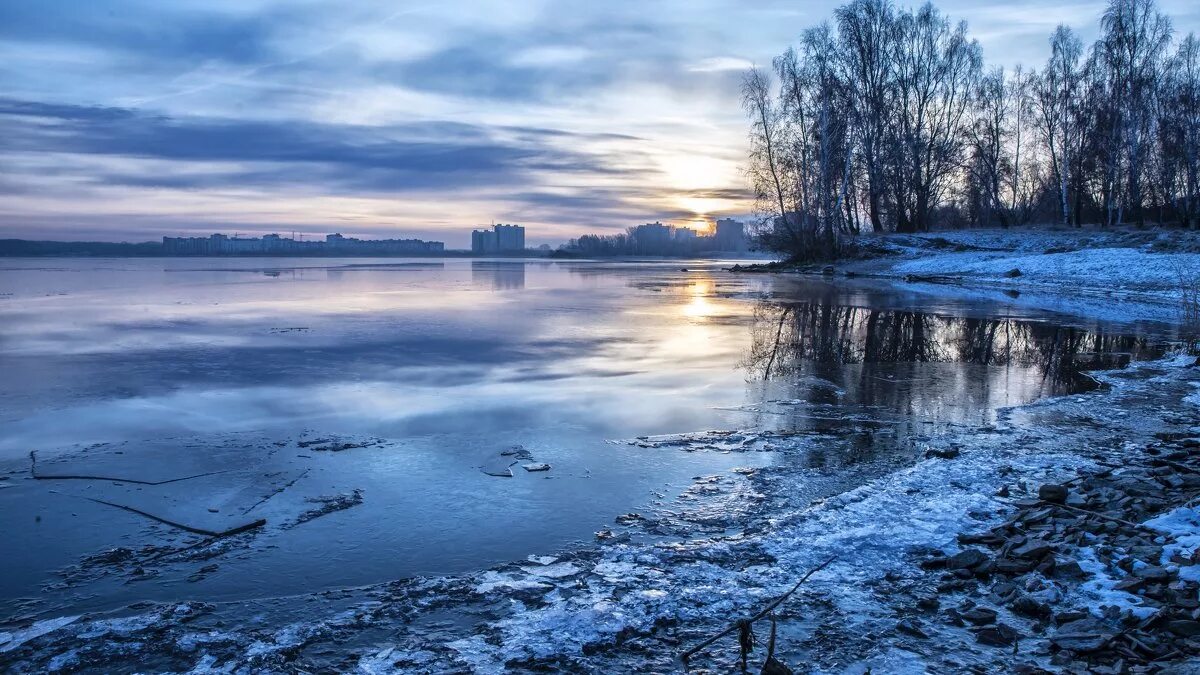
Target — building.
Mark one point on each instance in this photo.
(273, 244)
(653, 238)
(730, 235)
(500, 239)
(685, 234)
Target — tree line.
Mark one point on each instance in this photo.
(887, 120)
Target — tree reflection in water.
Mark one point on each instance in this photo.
(906, 374)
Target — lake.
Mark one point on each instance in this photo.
(371, 411)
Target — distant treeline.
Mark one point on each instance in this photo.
(885, 119)
(101, 249)
(23, 247)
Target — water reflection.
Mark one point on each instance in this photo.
(501, 275)
(915, 372)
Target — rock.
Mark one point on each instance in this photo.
(912, 627)
(1152, 573)
(1070, 616)
(1034, 549)
(1053, 493)
(1013, 273)
(536, 467)
(928, 602)
(980, 616)
(944, 453)
(1083, 636)
(1080, 642)
(1012, 567)
(1027, 606)
(968, 558)
(1000, 635)
(828, 270)
(1184, 627)
(1069, 570)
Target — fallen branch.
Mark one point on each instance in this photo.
(744, 624)
(188, 528)
(33, 473)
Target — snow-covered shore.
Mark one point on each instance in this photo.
(1113, 274)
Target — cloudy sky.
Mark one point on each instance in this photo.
(130, 119)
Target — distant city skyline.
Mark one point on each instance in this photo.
(128, 119)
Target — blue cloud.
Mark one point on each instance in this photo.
(162, 30)
(422, 155)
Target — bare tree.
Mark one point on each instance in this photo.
(1134, 40)
(867, 31)
(767, 169)
(937, 67)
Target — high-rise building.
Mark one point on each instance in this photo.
(499, 239)
(730, 235)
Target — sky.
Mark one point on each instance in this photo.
(127, 120)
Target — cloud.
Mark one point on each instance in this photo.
(249, 153)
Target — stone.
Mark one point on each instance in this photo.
(1080, 642)
(1184, 627)
(968, 558)
(928, 602)
(536, 467)
(1152, 573)
(1053, 493)
(1000, 635)
(912, 627)
(1069, 570)
(1034, 549)
(1013, 567)
(1027, 606)
(980, 616)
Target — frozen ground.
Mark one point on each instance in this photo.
(1102, 273)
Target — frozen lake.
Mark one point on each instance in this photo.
(361, 407)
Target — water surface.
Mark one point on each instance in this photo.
(157, 369)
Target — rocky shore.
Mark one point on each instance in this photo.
(1129, 531)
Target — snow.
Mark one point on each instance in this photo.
(12, 640)
(1108, 268)
(1183, 525)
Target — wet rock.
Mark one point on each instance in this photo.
(912, 627)
(969, 558)
(1034, 549)
(1000, 635)
(1056, 494)
(536, 467)
(1070, 616)
(1069, 570)
(1152, 573)
(943, 453)
(980, 616)
(1012, 567)
(1082, 643)
(928, 602)
(1028, 606)
(1184, 627)
(1013, 273)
